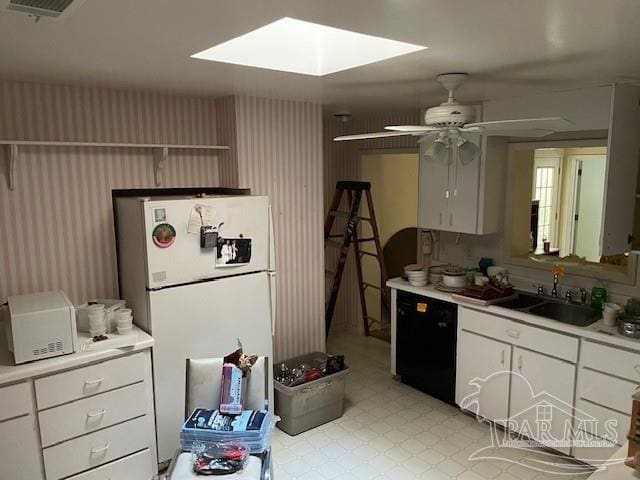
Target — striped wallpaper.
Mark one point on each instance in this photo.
(56, 227)
(342, 162)
(279, 152)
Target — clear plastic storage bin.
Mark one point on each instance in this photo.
(306, 406)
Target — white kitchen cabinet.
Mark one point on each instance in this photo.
(482, 384)
(541, 399)
(20, 449)
(88, 415)
(623, 147)
(464, 198)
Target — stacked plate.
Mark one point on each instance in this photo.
(416, 275)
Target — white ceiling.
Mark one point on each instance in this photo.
(509, 46)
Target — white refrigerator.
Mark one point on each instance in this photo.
(195, 299)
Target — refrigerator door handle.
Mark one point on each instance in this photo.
(272, 243)
(272, 299)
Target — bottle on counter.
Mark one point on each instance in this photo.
(598, 296)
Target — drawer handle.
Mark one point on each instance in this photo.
(513, 333)
(95, 451)
(520, 363)
(99, 413)
(94, 382)
(637, 368)
(502, 358)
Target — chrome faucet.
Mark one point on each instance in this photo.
(569, 296)
(554, 290)
(583, 296)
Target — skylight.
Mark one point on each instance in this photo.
(296, 46)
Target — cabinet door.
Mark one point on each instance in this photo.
(482, 381)
(464, 182)
(542, 391)
(434, 181)
(622, 170)
(20, 450)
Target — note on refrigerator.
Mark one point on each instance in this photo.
(200, 216)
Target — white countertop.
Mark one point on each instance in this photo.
(10, 373)
(597, 331)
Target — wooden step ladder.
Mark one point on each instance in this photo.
(354, 192)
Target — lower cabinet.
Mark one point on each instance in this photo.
(524, 378)
(20, 449)
(482, 381)
(541, 398)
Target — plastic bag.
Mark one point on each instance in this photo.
(219, 458)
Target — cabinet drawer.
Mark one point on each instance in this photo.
(611, 360)
(20, 450)
(594, 454)
(603, 415)
(15, 400)
(89, 414)
(605, 390)
(97, 448)
(133, 467)
(533, 338)
(82, 382)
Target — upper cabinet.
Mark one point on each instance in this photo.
(464, 198)
(623, 148)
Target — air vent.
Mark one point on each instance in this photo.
(41, 8)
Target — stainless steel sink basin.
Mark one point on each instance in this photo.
(572, 314)
(523, 301)
(554, 309)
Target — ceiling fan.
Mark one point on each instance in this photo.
(446, 124)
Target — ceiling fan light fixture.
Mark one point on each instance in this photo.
(438, 151)
(468, 151)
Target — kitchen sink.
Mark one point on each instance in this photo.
(523, 301)
(579, 315)
(554, 309)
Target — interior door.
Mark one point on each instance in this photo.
(542, 397)
(589, 195)
(203, 320)
(482, 381)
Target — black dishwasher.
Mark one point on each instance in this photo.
(426, 331)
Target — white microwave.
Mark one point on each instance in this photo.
(40, 325)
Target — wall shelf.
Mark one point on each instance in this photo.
(161, 152)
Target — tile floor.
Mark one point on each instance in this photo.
(391, 431)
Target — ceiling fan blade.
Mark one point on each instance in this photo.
(411, 128)
(364, 136)
(523, 127)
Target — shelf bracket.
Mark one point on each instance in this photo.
(159, 159)
(12, 161)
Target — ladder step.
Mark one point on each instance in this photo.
(329, 273)
(371, 285)
(343, 214)
(334, 242)
(370, 239)
(362, 253)
(373, 320)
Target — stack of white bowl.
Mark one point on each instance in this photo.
(97, 320)
(125, 320)
(435, 274)
(416, 275)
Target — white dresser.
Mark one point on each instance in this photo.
(84, 416)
